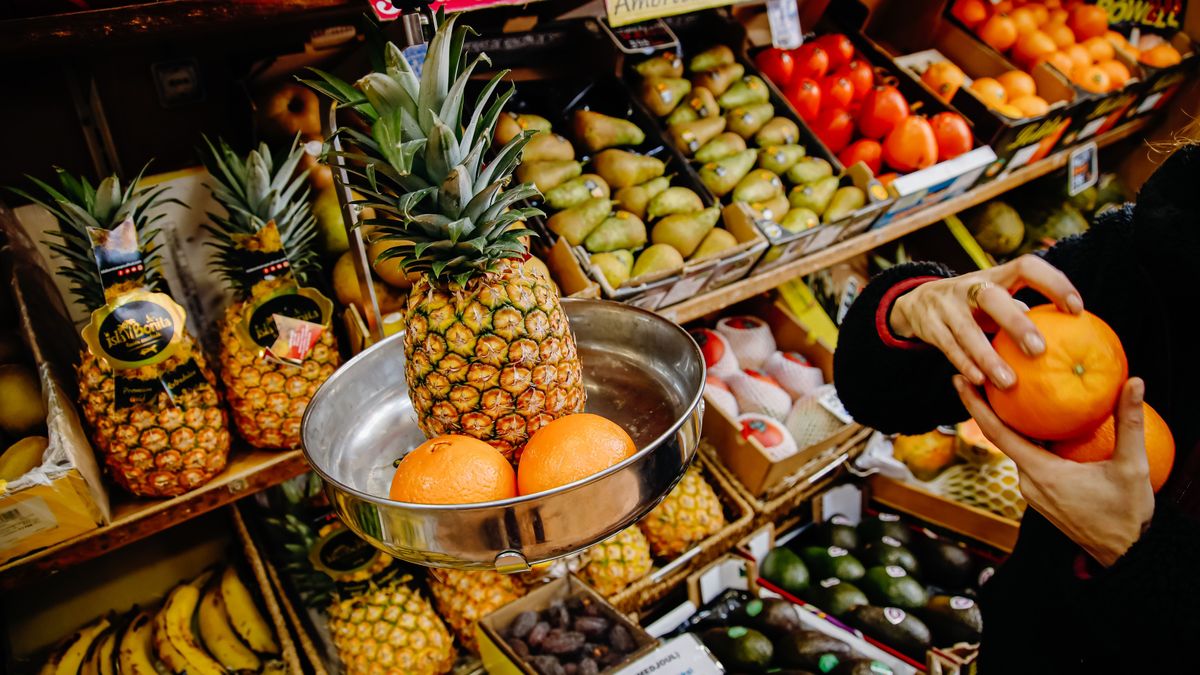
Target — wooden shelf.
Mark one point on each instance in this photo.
(134, 519)
(725, 296)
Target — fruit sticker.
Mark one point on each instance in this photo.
(140, 328)
(118, 256)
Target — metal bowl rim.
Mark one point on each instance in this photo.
(520, 499)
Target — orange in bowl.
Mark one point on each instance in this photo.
(453, 469)
(571, 448)
(1101, 443)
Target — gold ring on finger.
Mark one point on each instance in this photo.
(973, 293)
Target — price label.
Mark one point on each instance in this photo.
(1083, 168)
(828, 398)
(683, 655)
(24, 519)
(784, 19)
(642, 38)
(625, 12)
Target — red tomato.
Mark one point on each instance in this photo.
(836, 91)
(864, 150)
(777, 64)
(953, 135)
(811, 61)
(882, 108)
(834, 127)
(839, 48)
(861, 75)
(911, 145)
(805, 95)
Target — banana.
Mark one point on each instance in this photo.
(69, 656)
(177, 620)
(100, 653)
(274, 668)
(218, 635)
(134, 655)
(244, 615)
(163, 647)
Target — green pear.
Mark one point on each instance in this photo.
(721, 176)
(549, 174)
(662, 94)
(636, 198)
(798, 220)
(700, 103)
(331, 231)
(685, 231)
(809, 170)
(547, 146)
(750, 89)
(779, 158)
(620, 230)
(616, 266)
(622, 168)
(846, 200)
(745, 121)
(656, 259)
(721, 146)
(689, 137)
(665, 64)
(777, 131)
(720, 78)
(576, 191)
(715, 242)
(772, 209)
(710, 58)
(814, 196)
(598, 131)
(576, 223)
(508, 125)
(758, 185)
(674, 200)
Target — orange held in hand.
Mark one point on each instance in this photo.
(453, 469)
(1101, 443)
(571, 448)
(1069, 389)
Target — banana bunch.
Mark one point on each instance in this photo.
(207, 626)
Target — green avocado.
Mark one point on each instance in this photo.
(888, 551)
(894, 627)
(811, 649)
(892, 586)
(885, 525)
(834, 532)
(786, 570)
(863, 667)
(773, 617)
(944, 563)
(953, 619)
(739, 648)
(836, 597)
(832, 561)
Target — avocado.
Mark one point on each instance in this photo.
(739, 648)
(894, 627)
(885, 525)
(891, 585)
(944, 563)
(863, 667)
(888, 551)
(832, 561)
(786, 570)
(773, 617)
(997, 227)
(810, 649)
(953, 619)
(834, 532)
(836, 596)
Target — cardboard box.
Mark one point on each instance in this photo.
(969, 521)
(1166, 20)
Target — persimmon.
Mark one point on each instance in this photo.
(999, 32)
(1088, 21)
(989, 90)
(911, 145)
(1118, 74)
(1032, 46)
(944, 78)
(953, 135)
(1093, 79)
(1100, 445)
(1017, 83)
(1069, 389)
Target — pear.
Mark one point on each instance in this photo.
(620, 230)
(656, 259)
(718, 79)
(666, 64)
(598, 131)
(576, 223)
(691, 136)
(674, 200)
(721, 146)
(809, 170)
(779, 158)
(745, 121)
(622, 168)
(777, 131)
(846, 200)
(758, 185)
(710, 58)
(721, 176)
(576, 191)
(547, 146)
(814, 196)
(772, 209)
(662, 94)
(700, 103)
(508, 125)
(549, 174)
(798, 220)
(616, 266)
(714, 243)
(750, 89)
(685, 231)
(635, 198)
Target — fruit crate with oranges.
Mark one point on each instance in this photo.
(1156, 40)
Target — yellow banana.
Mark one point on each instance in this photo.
(69, 656)
(163, 647)
(133, 654)
(219, 637)
(177, 613)
(100, 654)
(244, 615)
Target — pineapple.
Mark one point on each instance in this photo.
(156, 447)
(463, 598)
(689, 514)
(489, 352)
(617, 562)
(267, 396)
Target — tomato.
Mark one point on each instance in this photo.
(834, 127)
(953, 135)
(883, 107)
(911, 145)
(805, 95)
(839, 48)
(836, 91)
(861, 75)
(777, 64)
(811, 61)
(864, 150)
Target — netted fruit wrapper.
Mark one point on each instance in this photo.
(810, 423)
(717, 392)
(775, 439)
(750, 338)
(718, 353)
(757, 392)
(994, 486)
(794, 373)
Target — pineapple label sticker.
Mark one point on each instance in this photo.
(118, 256)
(287, 324)
(139, 328)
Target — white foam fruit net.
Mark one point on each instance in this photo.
(993, 486)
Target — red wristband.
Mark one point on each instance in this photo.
(884, 312)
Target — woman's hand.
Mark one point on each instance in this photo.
(943, 313)
(1102, 506)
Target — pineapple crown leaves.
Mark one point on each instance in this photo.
(255, 191)
(423, 171)
(78, 206)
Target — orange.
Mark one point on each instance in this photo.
(1062, 36)
(944, 78)
(1058, 16)
(1017, 83)
(1070, 388)
(1003, 7)
(1162, 56)
(1088, 21)
(970, 12)
(1031, 106)
(1118, 74)
(453, 469)
(1080, 56)
(1061, 61)
(1101, 443)
(1099, 48)
(1116, 38)
(989, 90)
(999, 32)
(571, 448)
(1032, 46)
(1009, 110)
(1040, 13)
(1024, 19)
(1093, 79)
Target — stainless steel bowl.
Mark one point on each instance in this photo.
(641, 371)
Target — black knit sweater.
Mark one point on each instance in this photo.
(1136, 269)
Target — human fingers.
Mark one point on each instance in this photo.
(1009, 315)
(1130, 452)
(940, 336)
(1033, 272)
(1029, 458)
(974, 343)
